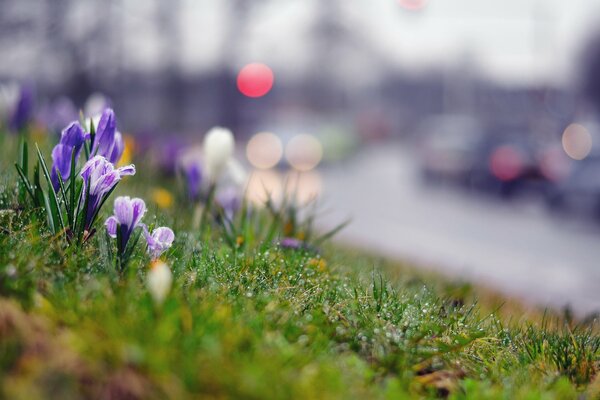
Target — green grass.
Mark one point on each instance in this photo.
(258, 321)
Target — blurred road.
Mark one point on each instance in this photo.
(515, 247)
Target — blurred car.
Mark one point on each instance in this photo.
(447, 147)
(509, 163)
(502, 160)
(580, 191)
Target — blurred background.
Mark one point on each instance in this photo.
(460, 135)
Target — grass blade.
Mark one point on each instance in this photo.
(53, 201)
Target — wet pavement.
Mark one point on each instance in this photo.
(516, 247)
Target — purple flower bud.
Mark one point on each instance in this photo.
(24, 109)
(127, 216)
(72, 138)
(104, 141)
(99, 178)
(159, 241)
(61, 164)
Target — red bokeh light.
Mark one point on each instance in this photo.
(412, 5)
(255, 80)
(506, 163)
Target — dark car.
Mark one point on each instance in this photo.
(447, 148)
(509, 163)
(580, 191)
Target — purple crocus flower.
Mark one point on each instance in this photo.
(193, 179)
(127, 216)
(291, 243)
(72, 138)
(23, 110)
(229, 200)
(58, 114)
(159, 241)
(99, 178)
(104, 140)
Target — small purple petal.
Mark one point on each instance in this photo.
(164, 235)
(139, 209)
(105, 183)
(111, 226)
(127, 170)
(118, 148)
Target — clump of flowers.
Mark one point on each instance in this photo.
(213, 177)
(73, 198)
(126, 223)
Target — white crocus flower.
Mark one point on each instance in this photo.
(219, 146)
(159, 281)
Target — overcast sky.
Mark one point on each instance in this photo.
(511, 40)
(515, 41)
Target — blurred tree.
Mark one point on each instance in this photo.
(590, 76)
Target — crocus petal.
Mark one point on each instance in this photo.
(91, 165)
(111, 226)
(105, 183)
(73, 136)
(139, 209)
(127, 170)
(118, 148)
(164, 235)
(124, 211)
(105, 134)
(61, 159)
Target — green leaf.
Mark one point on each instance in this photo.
(331, 233)
(24, 158)
(37, 187)
(49, 216)
(54, 208)
(25, 181)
